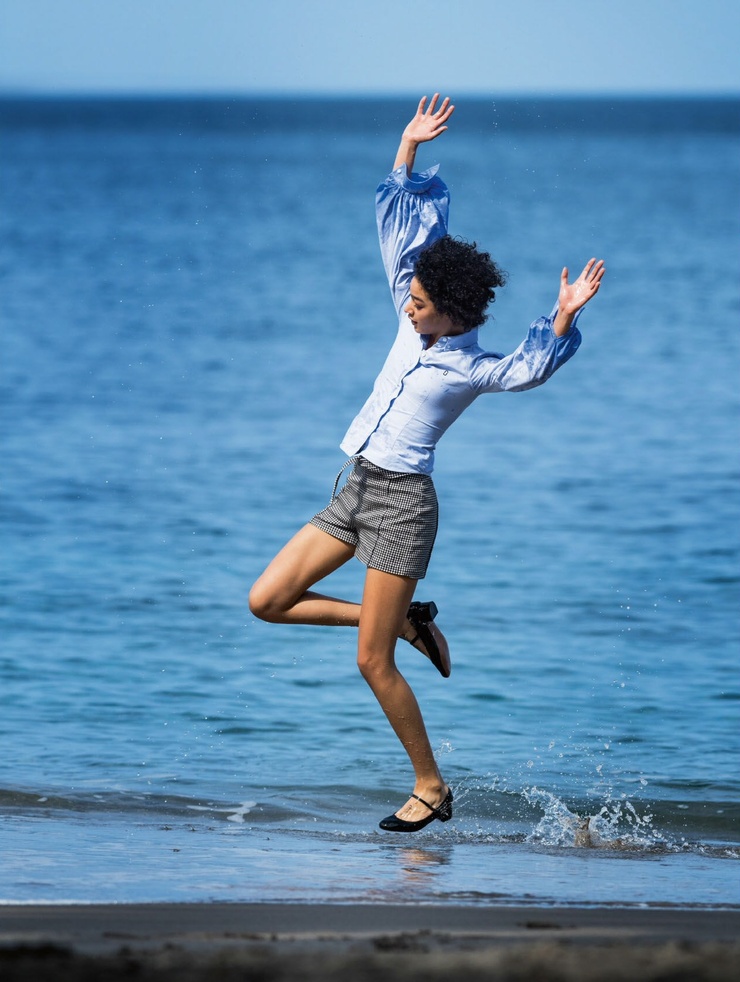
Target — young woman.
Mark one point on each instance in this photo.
(386, 514)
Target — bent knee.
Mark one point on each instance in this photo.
(263, 604)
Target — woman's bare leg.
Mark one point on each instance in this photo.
(385, 602)
(282, 594)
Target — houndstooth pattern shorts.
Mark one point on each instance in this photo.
(390, 517)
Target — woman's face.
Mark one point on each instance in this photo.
(424, 315)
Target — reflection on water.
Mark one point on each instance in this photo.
(420, 865)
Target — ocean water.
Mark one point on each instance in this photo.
(193, 308)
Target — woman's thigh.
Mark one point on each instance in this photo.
(385, 603)
(307, 558)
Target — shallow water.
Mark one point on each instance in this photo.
(193, 310)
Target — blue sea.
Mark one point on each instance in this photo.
(193, 309)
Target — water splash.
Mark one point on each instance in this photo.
(616, 825)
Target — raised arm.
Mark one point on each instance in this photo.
(426, 125)
(412, 209)
(575, 295)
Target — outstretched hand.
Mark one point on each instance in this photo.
(575, 295)
(427, 124)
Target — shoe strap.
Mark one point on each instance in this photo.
(431, 808)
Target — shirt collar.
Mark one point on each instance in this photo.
(453, 342)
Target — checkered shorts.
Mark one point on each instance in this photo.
(390, 517)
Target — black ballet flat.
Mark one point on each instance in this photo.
(443, 812)
(420, 616)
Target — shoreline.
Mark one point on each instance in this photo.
(193, 941)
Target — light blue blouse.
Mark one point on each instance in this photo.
(421, 391)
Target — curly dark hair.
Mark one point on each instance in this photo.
(459, 280)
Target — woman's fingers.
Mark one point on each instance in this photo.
(440, 115)
(593, 269)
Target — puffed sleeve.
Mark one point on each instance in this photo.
(412, 211)
(538, 357)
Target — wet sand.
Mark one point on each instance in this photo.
(190, 942)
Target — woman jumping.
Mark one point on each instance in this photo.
(386, 514)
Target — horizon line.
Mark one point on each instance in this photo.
(477, 94)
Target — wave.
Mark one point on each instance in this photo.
(531, 816)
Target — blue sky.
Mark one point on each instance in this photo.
(370, 46)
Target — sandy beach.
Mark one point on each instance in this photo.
(296, 941)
